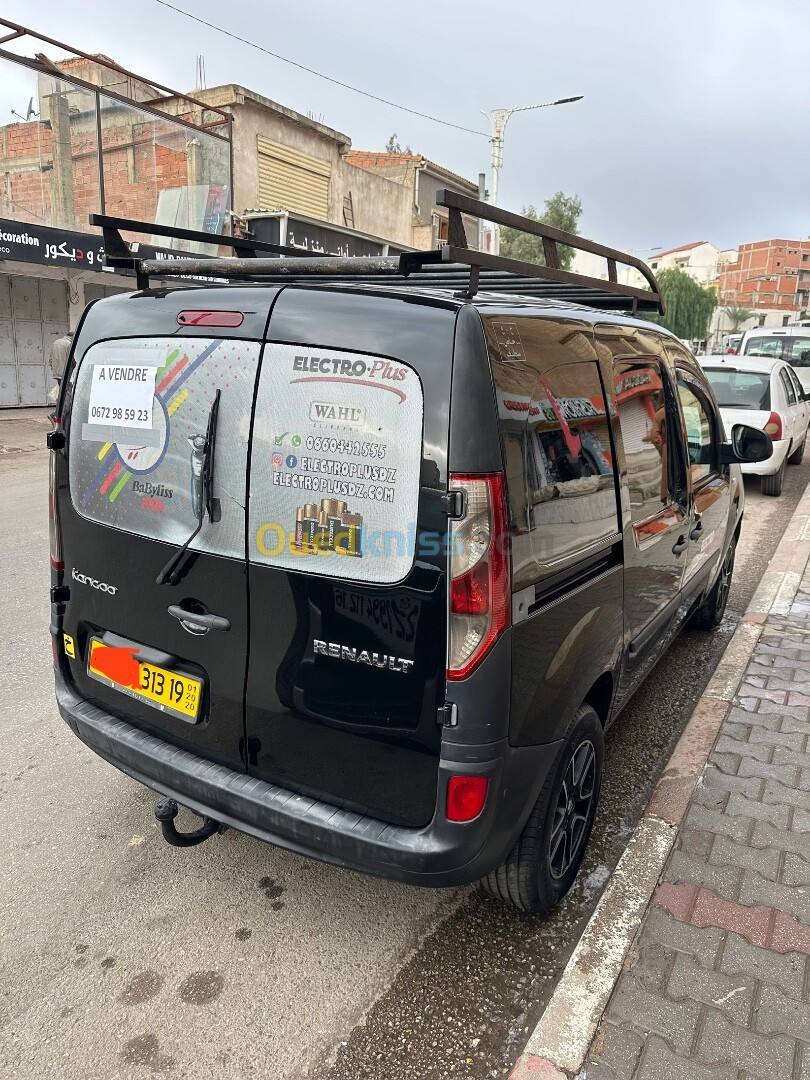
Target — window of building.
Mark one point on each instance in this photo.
(785, 320)
(698, 420)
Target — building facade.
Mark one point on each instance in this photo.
(98, 139)
(422, 178)
(701, 260)
(770, 277)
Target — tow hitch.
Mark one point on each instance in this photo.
(165, 813)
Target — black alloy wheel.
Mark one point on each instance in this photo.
(711, 611)
(542, 866)
(573, 812)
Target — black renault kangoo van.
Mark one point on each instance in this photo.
(363, 556)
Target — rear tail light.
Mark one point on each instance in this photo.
(466, 796)
(774, 426)
(480, 585)
(53, 517)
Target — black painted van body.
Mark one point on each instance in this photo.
(613, 545)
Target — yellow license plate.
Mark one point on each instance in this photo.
(165, 689)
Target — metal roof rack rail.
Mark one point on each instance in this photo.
(118, 253)
(455, 266)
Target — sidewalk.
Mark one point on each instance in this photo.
(717, 983)
(22, 430)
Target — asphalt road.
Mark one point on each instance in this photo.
(123, 957)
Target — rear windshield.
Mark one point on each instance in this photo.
(740, 389)
(138, 419)
(796, 350)
(335, 465)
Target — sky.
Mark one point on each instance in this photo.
(693, 125)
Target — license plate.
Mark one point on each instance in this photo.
(164, 689)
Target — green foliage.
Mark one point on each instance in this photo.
(562, 212)
(688, 306)
(393, 146)
(737, 316)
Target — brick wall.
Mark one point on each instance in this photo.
(140, 160)
(768, 274)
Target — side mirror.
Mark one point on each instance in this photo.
(748, 444)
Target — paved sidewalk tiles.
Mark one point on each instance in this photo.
(717, 984)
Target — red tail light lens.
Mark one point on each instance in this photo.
(774, 426)
(466, 796)
(53, 517)
(480, 582)
(469, 594)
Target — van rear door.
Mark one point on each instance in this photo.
(346, 549)
(169, 658)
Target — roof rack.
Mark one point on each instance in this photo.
(454, 267)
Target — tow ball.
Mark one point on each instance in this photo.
(165, 813)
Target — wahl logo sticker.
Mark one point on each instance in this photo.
(327, 412)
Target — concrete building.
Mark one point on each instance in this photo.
(423, 178)
(701, 260)
(770, 277)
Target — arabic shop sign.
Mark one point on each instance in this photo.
(58, 247)
(50, 247)
(318, 239)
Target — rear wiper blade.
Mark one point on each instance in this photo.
(202, 491)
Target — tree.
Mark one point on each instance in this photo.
(393, 146)
(561, 211)
(737, 316)
(688, 306)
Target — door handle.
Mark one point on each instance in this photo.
(697, 531)
(681, 546)
(204, 621)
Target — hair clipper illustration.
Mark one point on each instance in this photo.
(197, 443)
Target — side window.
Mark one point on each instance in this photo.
(572, 495)
(555, 432)
(645, 435)
(788, 385)
(765, 346)
(699, 422)
(139, 416)
(800, 352)
(797, 386)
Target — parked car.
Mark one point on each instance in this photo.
(367, 570)
(788, 343)
(731, 343)
(765, 393)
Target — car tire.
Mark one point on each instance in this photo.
(710, 613)
(544, 862)
(772, 485)
(797, 455)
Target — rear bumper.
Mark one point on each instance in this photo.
(772, 465)
(441, 854)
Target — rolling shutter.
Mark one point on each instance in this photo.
(292, 180)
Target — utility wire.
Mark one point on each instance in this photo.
(319, 74)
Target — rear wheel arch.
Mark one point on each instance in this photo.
(600, 696)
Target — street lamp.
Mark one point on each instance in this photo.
(498, 119)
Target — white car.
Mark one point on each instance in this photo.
(789, 343)
(765, 393)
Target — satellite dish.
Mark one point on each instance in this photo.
(30, 110)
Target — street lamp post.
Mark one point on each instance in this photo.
(498, 119)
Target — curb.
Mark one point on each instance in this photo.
(560, 1042)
